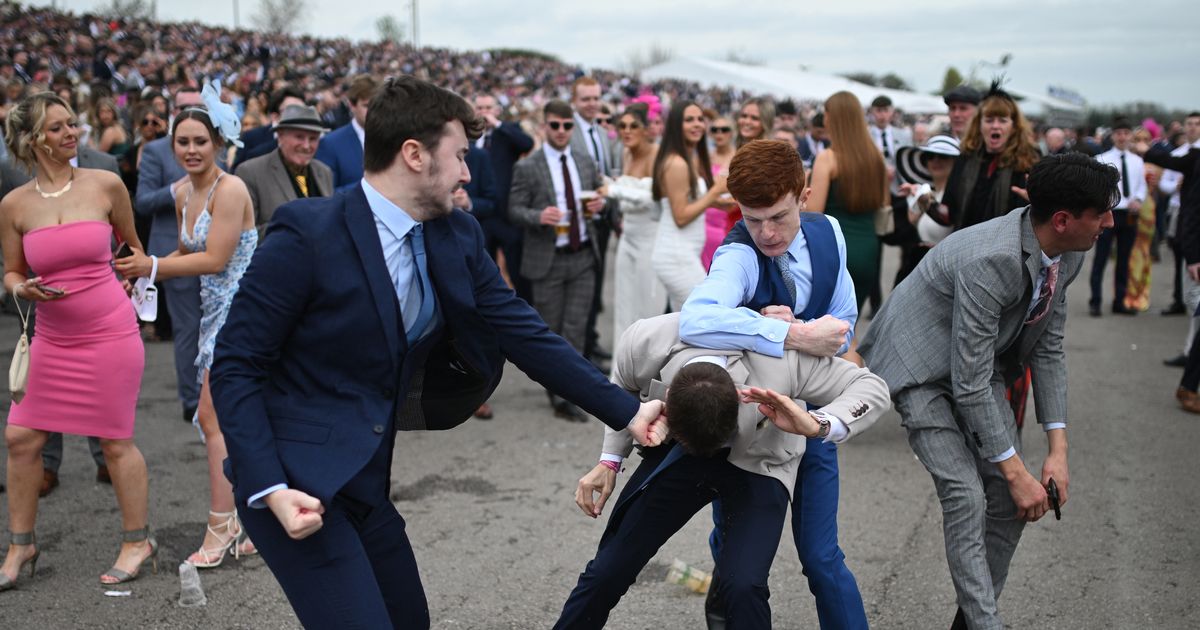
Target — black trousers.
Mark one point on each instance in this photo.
(1124, 233)
(645, 518)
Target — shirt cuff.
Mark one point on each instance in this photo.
(771, 337)
(838, 431)
(1050, 426)
(609, 457)
(1003, 456)
(257, 502)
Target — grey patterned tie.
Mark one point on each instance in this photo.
(781, 262)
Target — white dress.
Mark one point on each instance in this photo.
(638, 293)
(677, 252)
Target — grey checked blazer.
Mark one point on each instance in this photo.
(959, 320)
(533, 191)
(650, 354)
(270, 184)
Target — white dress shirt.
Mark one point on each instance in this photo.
(554, 161)
(359, 131)
(1137, 175)
(593, 137)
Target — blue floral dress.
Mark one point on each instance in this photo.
(217, 289)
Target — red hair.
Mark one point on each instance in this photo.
(764, 171)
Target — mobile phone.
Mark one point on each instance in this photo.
(124, 251)
(1052, 490)
(51, 290)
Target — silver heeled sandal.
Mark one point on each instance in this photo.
(26, 538)
(137, 535)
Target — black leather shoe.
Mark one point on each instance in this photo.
(566, 410)
(1176, 361)
(1174, 309)
(1121, 309)
(1094, 310)
(49, 483)
(960, 621)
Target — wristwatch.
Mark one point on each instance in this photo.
(822, 426)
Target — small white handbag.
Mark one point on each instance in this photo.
(18, 370)
(145, 294)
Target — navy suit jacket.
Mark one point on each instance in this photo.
(509, 143)
(306, 374)
(343, 154)
(257, 141)
(482, 187)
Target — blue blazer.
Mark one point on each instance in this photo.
(306, 374)
(482, 187)
(341, 151)
(509, 143)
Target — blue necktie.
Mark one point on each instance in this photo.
(425, 314)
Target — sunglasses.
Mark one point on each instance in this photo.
(720, 129)
(603, 121)
(629, 126)
(555, 125)
(150, 121)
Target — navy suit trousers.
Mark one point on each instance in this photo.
(645, 518)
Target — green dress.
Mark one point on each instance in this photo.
(862, 244)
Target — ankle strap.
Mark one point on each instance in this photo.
(24, 538)
(222, 514)
(136, 535)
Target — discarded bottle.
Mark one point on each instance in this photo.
(691, 578)
(191, 591)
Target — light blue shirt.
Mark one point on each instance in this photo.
(1037, 289)
(713, 316)
(393, 225)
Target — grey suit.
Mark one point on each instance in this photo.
(13, 175)
(948, 341)
(270, 185)
(650, 350)
(563, 282)
(156, 173)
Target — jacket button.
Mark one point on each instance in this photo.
(378, 428)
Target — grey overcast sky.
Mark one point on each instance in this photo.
(1110, 51)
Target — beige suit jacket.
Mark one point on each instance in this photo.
(270, 185)
(650, 354)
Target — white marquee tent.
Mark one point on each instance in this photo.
(796, 84)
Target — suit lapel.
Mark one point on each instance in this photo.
(361, 223)
(281, 179)
(543, 170)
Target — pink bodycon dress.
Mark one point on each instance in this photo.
(86, 357)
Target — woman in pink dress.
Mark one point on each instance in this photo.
(720, 130)
(86, 359)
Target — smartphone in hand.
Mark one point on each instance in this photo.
(124, 251)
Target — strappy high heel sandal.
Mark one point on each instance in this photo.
(117, 576)
(26, 538)
(230, 535)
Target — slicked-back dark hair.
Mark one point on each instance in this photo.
(275, 103)
(1073, 182)
(406, 108)
(702, 408)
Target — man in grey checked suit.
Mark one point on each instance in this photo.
(561, 251)
(289, 172)
(158, 178)
(984, 304)
(13, 175)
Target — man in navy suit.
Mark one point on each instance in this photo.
(505, 142)
(374, 311)
(342, 149)
(159, 177)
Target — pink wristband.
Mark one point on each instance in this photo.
(611, 464)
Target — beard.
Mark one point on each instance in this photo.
(433, 199)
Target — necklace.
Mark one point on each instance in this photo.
(58, 193)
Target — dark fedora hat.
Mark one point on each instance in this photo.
(300, 117)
